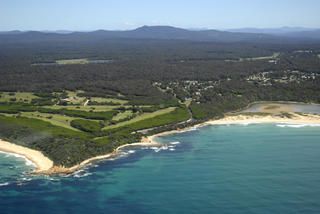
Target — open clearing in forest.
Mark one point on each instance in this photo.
(25, 97)
(142, 117)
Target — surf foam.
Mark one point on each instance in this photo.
(27, 161)
(297, 125)
(4, 184)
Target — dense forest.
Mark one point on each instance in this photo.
(77, 98)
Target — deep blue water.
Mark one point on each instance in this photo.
(260, 168)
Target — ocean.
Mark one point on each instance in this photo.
(255, 168)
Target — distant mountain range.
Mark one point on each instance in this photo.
(293, 32)
(173, 33)
(274, 31)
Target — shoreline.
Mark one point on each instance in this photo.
(46, 166)
(296, 119)
(41, 162)
(56, 170)
(243, 119)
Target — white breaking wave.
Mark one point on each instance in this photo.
(158, 149)
(175, 143)
(192, 129)
(297, 125)
(153, 148)
(53, 179)
(4, 184)
(121, 154)
(27, 161)
(26, 179)
(164, 147)
(81, 173)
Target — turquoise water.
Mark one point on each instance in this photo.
(13, 168)
(215, 169)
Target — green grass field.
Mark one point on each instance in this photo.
(25, 97)
(108, 100)
(74, 99)
(102, 140)
(177, 115)
(41, 126)
(54, 119)
(122, 115)
(141, 117)
(69, 134)
(95, 108)
(86, 125)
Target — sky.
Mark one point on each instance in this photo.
(86, 15)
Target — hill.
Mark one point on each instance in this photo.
(146, 32)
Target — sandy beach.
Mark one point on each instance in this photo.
(41, 162)
(251, 119)
(45, 166)
(295, 119)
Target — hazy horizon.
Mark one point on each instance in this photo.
(124, 15)
(190, 28)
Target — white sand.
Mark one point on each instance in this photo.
(247, 119)
(42, 162)
(250, 119)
